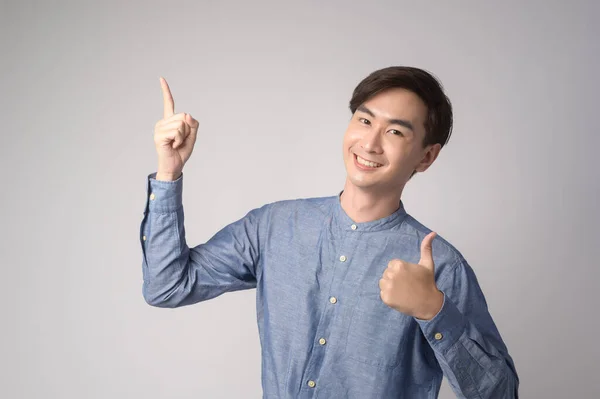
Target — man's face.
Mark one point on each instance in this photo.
(383, 141)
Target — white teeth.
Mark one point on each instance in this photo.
(367, 163)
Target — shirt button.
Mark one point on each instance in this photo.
(144, 238)
(353, 227)
(311, 384)
(152, 196)
(438, 336)
(322, 341)
(342, 258)
(333, 299)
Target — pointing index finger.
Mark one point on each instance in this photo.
(169, 104)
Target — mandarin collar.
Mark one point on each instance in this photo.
(385, 223)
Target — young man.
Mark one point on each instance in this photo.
(355, 298)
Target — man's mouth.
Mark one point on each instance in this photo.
(365, 163)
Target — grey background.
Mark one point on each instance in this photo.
(516, 190)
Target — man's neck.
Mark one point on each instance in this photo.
(368, 205)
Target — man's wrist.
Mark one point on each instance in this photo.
(167, 176)
(433, 306)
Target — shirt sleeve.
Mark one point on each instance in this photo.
(175, 274)
(466, 341)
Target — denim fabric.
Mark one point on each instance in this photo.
(324, 331)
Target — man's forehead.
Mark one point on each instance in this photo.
(396, 100)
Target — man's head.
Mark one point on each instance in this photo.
(401, 119)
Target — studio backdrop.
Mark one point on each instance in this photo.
(515, 190)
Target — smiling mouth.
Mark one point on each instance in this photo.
(365, 163)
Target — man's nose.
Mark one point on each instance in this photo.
(371, 141)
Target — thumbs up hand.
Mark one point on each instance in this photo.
(410, 288)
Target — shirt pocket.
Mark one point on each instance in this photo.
(376, 333)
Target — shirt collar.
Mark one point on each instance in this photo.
(386, 223)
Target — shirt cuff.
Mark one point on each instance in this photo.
(163, 196)
(445, 328)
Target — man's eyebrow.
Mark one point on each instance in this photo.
(400, 122)
(366, 110)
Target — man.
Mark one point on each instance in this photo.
(355, 298)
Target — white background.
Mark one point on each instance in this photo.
(516, 189)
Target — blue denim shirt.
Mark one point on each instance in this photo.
(324, 330)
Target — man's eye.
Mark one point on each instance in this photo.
(365, 121)
(396, 132)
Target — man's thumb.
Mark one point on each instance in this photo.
(426, 251)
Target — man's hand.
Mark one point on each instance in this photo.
(174, 138)
(410, 288)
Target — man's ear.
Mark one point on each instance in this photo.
(430, 155)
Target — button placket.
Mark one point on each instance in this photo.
(322, 341)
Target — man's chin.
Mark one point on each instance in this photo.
(364, 184)
(372, 185)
